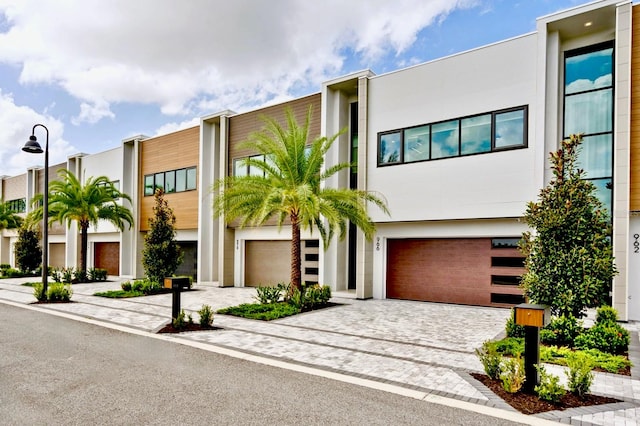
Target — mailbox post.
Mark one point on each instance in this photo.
(176, 284)
(533, 318)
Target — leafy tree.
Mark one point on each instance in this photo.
(27, 249)
(569, 255)
(290, 188)
(8, 218)
(97, 199)
(161, 255)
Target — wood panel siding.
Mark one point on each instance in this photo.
(164, 153)
(635, 112)
(242, 125)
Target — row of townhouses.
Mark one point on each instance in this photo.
(456, 146)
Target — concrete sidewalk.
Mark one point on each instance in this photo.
(424, 347)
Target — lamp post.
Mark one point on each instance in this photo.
(32, 146)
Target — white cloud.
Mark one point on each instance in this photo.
(16, 123)
(185, 54)
(174, 127)
(92, 113)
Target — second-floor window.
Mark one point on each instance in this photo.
(171, 181)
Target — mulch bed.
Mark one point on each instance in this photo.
(169, 328)
(531, 404)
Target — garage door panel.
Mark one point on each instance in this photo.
(267, 263)
(445, 270)
(107, 256)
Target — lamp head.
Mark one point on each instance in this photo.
(32, 146)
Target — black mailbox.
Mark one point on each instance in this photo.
(176, 283)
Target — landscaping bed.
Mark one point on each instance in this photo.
(531, 404)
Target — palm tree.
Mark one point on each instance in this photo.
(289, 187)
(8, 218)
(97, 199)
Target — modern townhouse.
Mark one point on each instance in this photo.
(457, 146)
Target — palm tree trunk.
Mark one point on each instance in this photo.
(83, 246)
(295, 253)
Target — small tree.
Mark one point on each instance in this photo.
(161, 255)
(27, 250)
(569, 256)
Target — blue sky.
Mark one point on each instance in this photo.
(96, 72)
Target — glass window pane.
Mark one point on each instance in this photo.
(170, 181)
(181, 180)
(160, 181)
(604, 192)
(191, 178)
(148, 185)
(445, 139)
(588, 71)
(389, 148)
(240, 167)
(588, 112)
(416, 144)
(596, 156)
(509, 129)
(475, 134)
(255, 171)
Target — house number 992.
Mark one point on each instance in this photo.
(636, 243)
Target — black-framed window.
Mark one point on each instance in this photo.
(589, 110)
(241, 167)
(477, 134)
(17, 206)
(171, 181)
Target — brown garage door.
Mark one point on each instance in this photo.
(107, 256)
(267, 262)
(466, 271)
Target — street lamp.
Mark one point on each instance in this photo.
(32, 146)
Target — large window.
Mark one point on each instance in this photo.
(493, 131)
(588, 109)
(17, 206)
(171, 181)
(241, 167)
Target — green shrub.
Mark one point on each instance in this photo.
(608, 362)
(137, 285)
(59, 292)
(14, 273)
(561, 331)
(511, 346)
(267, 294)
(150, 287)
(119, 294)
(126, 285)
(579, 375)
(549, 388)
(38, 292)
(605, 336)
(97, 274)
(512, 374)
(80, 276)
(512, 329)
(179, 322)
(311, 296)
(606, 314)
(206, 316)
(67, 275)
(55, 274)
(4, 266)
(490, 359)
(262, 312)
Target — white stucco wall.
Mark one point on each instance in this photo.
(486, 185)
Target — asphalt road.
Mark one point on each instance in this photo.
(59, 371)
